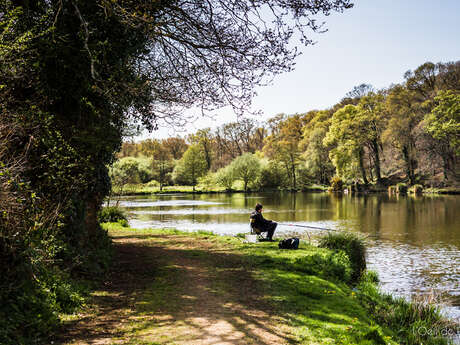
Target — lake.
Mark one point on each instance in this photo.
(413, 243)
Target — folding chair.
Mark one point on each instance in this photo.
(255, 231)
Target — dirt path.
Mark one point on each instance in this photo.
(177, 290)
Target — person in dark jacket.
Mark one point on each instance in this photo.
(260, 224)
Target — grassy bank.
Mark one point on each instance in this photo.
(192, 285)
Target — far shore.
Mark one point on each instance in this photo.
(141, 189)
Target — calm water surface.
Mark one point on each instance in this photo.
(414, 242)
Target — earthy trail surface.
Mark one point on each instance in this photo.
(174, 289)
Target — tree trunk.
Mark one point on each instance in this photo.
(193, 178)
(91, 223)
(375, 148)
(361, 165)
(410, 164)
(161, 176)
(294, 184)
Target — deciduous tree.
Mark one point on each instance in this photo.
(443, 124)
(246, 168)
(316, 154)
(348, 151)
(405, 113)
(191, 166)
(283, 145)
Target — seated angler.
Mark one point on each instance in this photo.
(260, 224)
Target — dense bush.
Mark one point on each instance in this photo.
(34, 288)
(336, 184)
(335, 265)
(207, 182)
(130, 170)
(224, 177)
(112, 214)
(353, 246)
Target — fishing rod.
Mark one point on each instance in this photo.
(319, 228)
(310, 227)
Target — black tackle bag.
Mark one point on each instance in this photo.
(289, 243)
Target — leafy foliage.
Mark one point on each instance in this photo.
(112, 214)
(336, 184)
(353, 246)
(444, 121)
(191, 166)
(246, 168)
(335, 265)
(225, 177)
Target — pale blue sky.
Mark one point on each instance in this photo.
(375, 42)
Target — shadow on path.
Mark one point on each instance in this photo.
(171, 290)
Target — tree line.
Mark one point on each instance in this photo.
(405, 132)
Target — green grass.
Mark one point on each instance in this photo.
(353, 246)
(322, 308)
(306, 287)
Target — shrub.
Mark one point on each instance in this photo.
(370, 277)
(338, 266)
(353, 246)
(401, 188)
(34, 288)
(224, 177)
(336, 184)
(112, 214)
(416, 189)
(207, 182)
(332, 265)
(123, 222)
